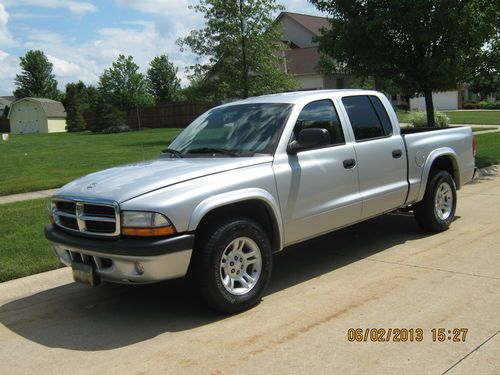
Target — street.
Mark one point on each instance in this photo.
(383, 273)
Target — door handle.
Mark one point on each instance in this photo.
(396, 154)
(349, 163)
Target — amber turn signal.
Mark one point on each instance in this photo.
(148, 232)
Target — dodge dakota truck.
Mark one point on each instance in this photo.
(250, 178)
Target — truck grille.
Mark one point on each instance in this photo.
(100, 218)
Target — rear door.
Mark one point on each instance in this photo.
(318, 190)
(380, 154)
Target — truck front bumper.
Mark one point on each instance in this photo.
(125, 260)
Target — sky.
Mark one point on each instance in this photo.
(82, 37)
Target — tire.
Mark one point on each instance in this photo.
(223, 255)
(436, 211)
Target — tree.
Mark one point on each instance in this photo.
(124, 86)
(6, 110)
(241, 43)
(36, 78)
(162, 79)
(485, 78)
(76, 103)
(421, 45)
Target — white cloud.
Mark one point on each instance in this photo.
(6, 39)
(9, 67)
(73, 6)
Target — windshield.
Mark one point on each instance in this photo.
(235, 130)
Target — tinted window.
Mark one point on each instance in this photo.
(382, 115)
(320, 114)
(364, 119)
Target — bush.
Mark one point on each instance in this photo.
(117, 129)
(418, 119)
(471, 104)
(489, 105)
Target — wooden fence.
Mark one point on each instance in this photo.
(163, 115)
(4, 125)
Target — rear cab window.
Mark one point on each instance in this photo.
(368, 117)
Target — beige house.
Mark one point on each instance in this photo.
(37, 115)
(302, 56)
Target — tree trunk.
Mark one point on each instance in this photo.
(244, 68)
(429, 108)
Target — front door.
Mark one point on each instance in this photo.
(317, 192)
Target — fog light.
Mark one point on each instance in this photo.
(139, 268)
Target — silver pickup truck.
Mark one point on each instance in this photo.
(246, 180)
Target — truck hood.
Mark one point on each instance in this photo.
(129, 181)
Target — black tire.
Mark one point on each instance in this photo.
(206, 266)
(425, 213)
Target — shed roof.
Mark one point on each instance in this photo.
(52, 108)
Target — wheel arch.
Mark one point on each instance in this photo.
(441, 159)
(255, 204)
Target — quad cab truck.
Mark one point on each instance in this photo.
(250, 178)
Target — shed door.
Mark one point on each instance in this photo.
(29, 118)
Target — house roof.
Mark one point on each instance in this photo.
(52, 108)
(302, 60)
(6, 100)
(311, 23)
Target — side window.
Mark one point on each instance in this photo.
(321, 114)
(382, 115)
(368, 117)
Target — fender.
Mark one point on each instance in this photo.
(444, 151)
(209, 204)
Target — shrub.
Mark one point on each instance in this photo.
(489, 105)
(471, 104)
(418, 119)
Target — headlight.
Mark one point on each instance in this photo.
(145, 224)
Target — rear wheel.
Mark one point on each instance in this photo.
(232, 265)
(436, 211)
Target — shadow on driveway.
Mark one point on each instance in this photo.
(77, 317)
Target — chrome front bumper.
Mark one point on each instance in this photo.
(125, 261)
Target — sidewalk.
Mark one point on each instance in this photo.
(26, 196)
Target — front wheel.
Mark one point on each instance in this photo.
(233, 265)
(436, 211)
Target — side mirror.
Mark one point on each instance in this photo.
(309, 138)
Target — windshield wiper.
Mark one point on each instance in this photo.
(172, 152)
(212, 150)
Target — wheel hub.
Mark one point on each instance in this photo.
(240, 265)
(443, 201)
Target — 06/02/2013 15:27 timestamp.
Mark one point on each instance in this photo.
(406, 334)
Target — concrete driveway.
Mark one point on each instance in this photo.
(383, 273)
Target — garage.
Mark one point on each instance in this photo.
(37, 115)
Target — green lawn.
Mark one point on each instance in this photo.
(42, 161)
(23, 247)
(487, 117)
(488, 149)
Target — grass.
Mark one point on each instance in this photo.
(487, 117)
(23, 247)
(476, 129)
(488, 149)
(43, 161)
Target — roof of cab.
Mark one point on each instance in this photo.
(298, 96)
